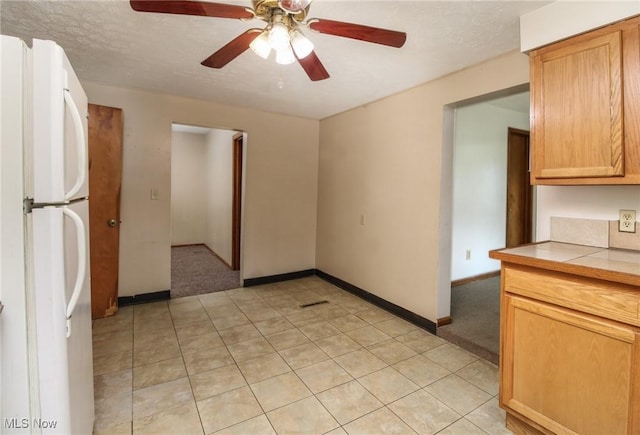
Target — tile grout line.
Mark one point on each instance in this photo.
(186, 372)
(248, 385)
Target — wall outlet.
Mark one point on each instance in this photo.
(468, 254)
(627, 222)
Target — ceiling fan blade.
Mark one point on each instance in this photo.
(232, 50)
(185, 7)
(313, 67)
(358, 31)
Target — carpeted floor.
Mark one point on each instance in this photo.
(196, 270)
(475, 310)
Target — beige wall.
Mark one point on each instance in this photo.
(219, 196)
(384, 160)
(280, 184)
(188, 188)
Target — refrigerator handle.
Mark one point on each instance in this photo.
(80, 143)
(82, 264)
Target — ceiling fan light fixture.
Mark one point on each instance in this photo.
(300, 44)
(261, 45)
(285, 56)
(279, 36)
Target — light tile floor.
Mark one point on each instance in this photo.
(251, 361)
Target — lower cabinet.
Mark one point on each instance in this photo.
(564, 371)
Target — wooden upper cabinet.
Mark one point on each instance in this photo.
(585, 108)
(578, 109)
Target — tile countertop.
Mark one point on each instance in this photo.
(615, 265)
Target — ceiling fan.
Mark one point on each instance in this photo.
(281, 34)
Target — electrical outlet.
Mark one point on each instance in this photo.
(627, 222)
(468, 254)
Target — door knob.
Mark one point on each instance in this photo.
(112, 222)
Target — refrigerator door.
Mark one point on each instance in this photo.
(14, 333)
(61, 277)
(78, 300)
(60, 162)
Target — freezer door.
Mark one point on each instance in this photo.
(14, 339)
(61, 276)
(60, 128)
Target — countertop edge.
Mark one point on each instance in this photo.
(573, 269)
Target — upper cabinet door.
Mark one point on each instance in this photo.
(577, 116)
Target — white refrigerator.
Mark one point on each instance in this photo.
(46, 357)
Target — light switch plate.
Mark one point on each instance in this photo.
(627, 222)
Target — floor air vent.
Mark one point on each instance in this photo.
(310, 304)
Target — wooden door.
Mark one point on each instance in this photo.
(237, 201)
(519, 190)
(577, 108)
(105, 175)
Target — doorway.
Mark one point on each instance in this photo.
(206, 209)
(480, 180)
(481, 131)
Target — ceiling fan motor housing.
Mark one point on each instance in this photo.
(264, 8)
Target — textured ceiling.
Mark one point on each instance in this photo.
(108, 42)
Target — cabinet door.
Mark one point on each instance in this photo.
(577, 123)
(631, 73)
(568, 372)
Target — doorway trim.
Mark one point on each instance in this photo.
(236, 230)
(519, 189)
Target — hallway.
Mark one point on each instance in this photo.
(196, 270)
